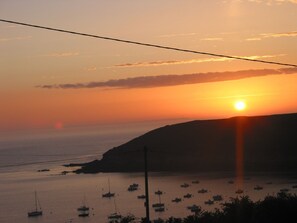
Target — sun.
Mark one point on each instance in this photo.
(240, 105)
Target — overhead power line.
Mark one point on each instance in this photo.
(147, 44)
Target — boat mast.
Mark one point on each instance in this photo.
(115, 206)
(147, 206)
(108, 186)
(84, 201)
(35, 201)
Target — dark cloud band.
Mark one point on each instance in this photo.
(173, 80)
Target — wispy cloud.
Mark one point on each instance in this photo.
(278, 35)
(253, 39)
(175, 62)
(191, 34)
(272, 35)
(63, 54)
(177, 35)
(173, 80)
(270, 2)
(212, 39)
(90, 69)
(15, 38)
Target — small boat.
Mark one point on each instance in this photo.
(194, 208)
(84, 207)
(217, 197)
(108, 194)
(159, 209)
(269, 183)
(114, 217)
(159, 204)
(176, 200)
(83, 214)
(239, 191)
(37, 211)
(141, 196)
(34, 213)
(209, 202)
(258, 187)
(43, 170)
(158, 192)
(195, 182)
(231, 182)
(284, 190)
(202, 191)
(184, 185)
(133, 187)
(188, 195)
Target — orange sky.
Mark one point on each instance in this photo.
(147, 84)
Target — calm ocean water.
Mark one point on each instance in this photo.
(60, 195)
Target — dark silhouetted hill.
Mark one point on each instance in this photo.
(270, 144)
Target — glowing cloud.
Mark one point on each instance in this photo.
(273, 35)
(212, 39)
(90, 69)
(64, 54)
(269, 2)
(178, 35)
(176, 62)
(15, 38)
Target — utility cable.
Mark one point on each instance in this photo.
(148, 44)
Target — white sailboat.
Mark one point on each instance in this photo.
(37, 211)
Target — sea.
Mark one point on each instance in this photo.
(33, 162)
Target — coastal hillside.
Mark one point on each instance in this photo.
(269, 142)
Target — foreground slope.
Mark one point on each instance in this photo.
(269, 142)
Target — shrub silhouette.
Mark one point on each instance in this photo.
(273, 209)
(282, 208)
(239, 210)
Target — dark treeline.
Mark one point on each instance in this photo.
(273, 209)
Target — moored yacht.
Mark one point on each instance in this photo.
(37, 211)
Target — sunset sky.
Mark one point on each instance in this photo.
(52, 80)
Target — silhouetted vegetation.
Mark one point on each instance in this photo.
(273, 209)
